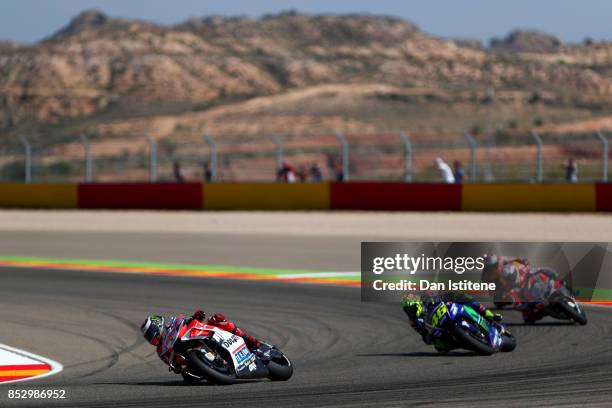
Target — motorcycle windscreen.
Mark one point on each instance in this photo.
(172, 333)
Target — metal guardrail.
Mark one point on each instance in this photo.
(407, 157)
(88, 159)
(279, 152)
(539, 156)
(152, 158)
(344, 145)
(412, 156)
(604, 158)
(472, 143)
(28, 158)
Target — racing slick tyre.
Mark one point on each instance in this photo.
(573, 312)
(508, 343)
(280, 369)
(471, 342)
(221, 374)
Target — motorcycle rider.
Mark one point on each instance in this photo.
(419, 311)
(154, 330)
(520, 282)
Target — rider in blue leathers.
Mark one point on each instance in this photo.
(419, 310)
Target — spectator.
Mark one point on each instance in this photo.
(331, 160)
(340, 177)
(571, 171)
(458, 172)
(178, 172)
(302, 174)
(445, 170)
(207, 172)
(286, 173)
(315, 173)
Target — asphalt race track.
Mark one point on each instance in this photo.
(345, 352)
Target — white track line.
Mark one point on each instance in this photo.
(16, 353)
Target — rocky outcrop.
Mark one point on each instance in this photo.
(527, 41)
(87, 20)
(98, 64)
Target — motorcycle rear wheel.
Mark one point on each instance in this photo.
(280, 369)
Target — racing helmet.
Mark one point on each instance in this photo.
(152, 329)
(430, 298)
(491, 266)
(510, 273)
(412, 305)
(490, 261)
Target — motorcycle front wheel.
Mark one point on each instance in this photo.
(190, 379)
(480, 345)
(508, 343)
(573, 312)
(218, 372)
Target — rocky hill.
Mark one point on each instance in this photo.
(527, 41)
(111, 69)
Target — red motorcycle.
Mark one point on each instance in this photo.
(548, 295)
(202, 352)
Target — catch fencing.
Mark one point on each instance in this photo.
(526, 157)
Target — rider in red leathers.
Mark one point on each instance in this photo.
(219, 320)
(521, 283)
(154, 330)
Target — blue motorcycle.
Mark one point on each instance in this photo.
(463, 327)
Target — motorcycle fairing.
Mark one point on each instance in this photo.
(494, 336)
(242, 357)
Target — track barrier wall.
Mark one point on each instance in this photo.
(368, 196)
(38, 196)
(603, 197)
(141, 196)
(529, 197)
(395, 196)
(266, 196)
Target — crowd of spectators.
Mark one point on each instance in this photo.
(288, 174)
(313, 173)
